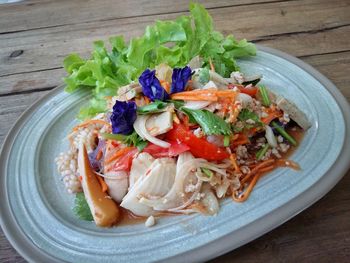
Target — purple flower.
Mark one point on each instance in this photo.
(180, 78)
(151, 86)
(123, 117)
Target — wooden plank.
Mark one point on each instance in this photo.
(11, 107)
(46, 48)
(33, 14)
(33, 81)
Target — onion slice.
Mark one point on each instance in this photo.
(140, 128)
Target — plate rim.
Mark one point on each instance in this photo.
(28, 250)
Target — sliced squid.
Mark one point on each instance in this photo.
(155, 183)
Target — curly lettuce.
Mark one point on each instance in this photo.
(172, 42)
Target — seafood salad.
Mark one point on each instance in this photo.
(176, 132)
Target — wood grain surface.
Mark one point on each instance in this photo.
(35, 36)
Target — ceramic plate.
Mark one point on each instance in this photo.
(36, 211)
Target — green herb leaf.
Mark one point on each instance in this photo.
(153, 107)
(81, 208)
(177, 103)
(209, 122)
(246, 114)
(189, 36)
(130, 140)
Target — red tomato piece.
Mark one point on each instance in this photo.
(174, 150)
(199, 147)
(247, 90)
(124, 162)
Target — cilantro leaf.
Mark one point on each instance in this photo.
(246, 114)
(209, 122)
(81, 208)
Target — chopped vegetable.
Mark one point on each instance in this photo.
(210, 94)
(180, 78)
(283, 132)
(261, 153)
(131, 140)
(226, 140)
(246, 114)
(174, 150)
(209, 122)
(151, 86)
(251, 91)
(123, 117)
(154, 107)
(190, 36)
(265, 96)
(207, 172)
(81, 208)
(199, 147)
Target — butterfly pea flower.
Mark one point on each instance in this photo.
(151, 86)
(180, 78)
(123, 117)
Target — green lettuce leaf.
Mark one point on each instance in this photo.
(81, 208)
(172, 42)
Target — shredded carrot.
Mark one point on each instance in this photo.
(102, 183)
(233, 159)
(210, 94)
(244, 196)
(257, 169)
(287, 163)
(177, 96)
(86, 123)
(271, 116)
(240, 140)
(118, 154)
(147, 101)
(267, 169)
(212, 68)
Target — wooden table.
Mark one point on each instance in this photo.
(35, 36)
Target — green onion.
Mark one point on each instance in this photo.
(226, 140)
(152, 107)
(207, 172)
(260, 154)
(265, 96)
(111, 136)
(283, 132)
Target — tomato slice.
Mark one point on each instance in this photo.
(247, 90)
(124, 162)
(174, 150)
(199, 147)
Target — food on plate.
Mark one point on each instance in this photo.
(172, 130)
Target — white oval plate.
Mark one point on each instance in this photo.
(36, 211)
